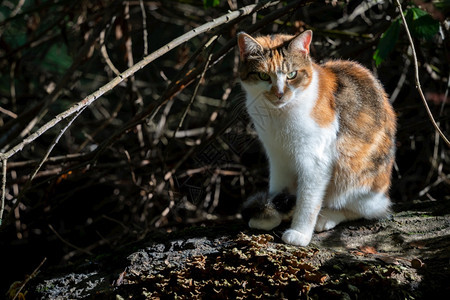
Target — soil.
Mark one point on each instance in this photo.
(404, 257)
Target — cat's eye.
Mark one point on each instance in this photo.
(291, 75)
(263, 76)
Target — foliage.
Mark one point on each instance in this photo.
(421, 25)
(387, 42)
(210, 3)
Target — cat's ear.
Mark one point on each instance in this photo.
(247, 45)
(301, 42)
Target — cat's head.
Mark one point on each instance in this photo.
(275, 68)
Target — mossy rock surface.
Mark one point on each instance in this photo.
(405, 257)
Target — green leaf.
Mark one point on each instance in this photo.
(425, 27)
(210, 3)
(387, 42)
(416, 12)
(421, 24)
(57, 59)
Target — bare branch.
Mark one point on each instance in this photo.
(144, 26)
(417, 79)
(2, 208)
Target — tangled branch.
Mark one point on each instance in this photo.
(88, 100)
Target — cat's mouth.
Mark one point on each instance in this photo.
(279, 103)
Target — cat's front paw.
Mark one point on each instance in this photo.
(296, 238)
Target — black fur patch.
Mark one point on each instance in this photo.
(256, 205)
(284, 202)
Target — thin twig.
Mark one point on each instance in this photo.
(130, 164)
(144, 27)
(215, 202)
(170, 173)
(17, 8)
(194, 94)
(67, 242)
(2, 208)
(55, 141)
(401, 81)
(51, 160)
(438, 181)
(8, 112)
(105, 55)
(128, 40)
(417, 79)
(35, 272)
(186, 69)
(12, 83)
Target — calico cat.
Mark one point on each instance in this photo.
(328, 131)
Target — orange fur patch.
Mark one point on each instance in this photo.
(324, 111)
(367, 126)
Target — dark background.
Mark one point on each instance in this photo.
(96, 193)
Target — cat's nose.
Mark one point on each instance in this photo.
(279, 94)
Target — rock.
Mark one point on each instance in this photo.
(404, 257)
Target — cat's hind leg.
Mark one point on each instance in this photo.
(371, 205)
(357, 205)
(329, 218)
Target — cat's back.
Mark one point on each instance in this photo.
(355, 84)
(360, 99)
